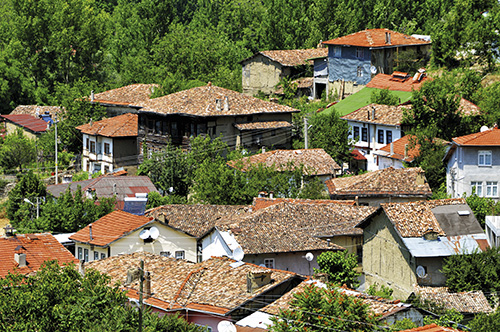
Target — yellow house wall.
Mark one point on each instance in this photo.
(12, 128)
(260, 73)
(386, 261)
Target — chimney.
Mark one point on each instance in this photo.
(9, 231)
(90, 232)
(406, 151)
(90, 122)
(392, 148)
(373, 112)
(388, 38)
(218, 105)
(92, 95)
(263, 149)
(20, 259)
(226, 104)
(271, 195)
(114, 189)
(147, 285)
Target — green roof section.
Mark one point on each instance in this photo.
(362, 98)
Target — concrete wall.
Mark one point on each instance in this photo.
(462, 169)
(125, 151)
(213, 245)
(384, 162)
(386, 261)
(342, 89)
(292, 261)
(261, 73)
(433, 266)
(412, 314)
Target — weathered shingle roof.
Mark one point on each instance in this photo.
(315, 161)
(110, 228)
(133, 94)
(38, 248)
(35, 110)
(27, 121)
(211, 286)
(210, 100)
(292, 58)
(376, 38)
(384, 114)
(263, 125)
(197, 219)
(385, 182)
(464, 302)
(292, 227)
(124, 125)
(485, 138)
(263, 202)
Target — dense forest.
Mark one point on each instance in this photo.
(52, 51)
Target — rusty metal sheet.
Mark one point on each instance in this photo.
(445, 246)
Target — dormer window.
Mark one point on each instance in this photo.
(484, 158)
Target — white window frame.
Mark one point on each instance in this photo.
(96, 255)
(484, 158)
(479, 187)
(491, 189)
(80, 253)
(269, 263)
(181, 254)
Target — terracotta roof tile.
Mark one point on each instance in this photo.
(119, 126)
(389, 181)
(486, 138)
(385, 81)
(35, 110)
(27, 121)
(133, 94)
(432, 328)
(110, 228)
(263, 202)
(291, 227)
(376, 38)
(464, 302)
(212, 286)
(292, 58)
(263, 125)
(315, 161)
(210, 100)
(384, 114)
(196, 220)
(399, 147)
(38, 248)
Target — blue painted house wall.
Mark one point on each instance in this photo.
(345, 66)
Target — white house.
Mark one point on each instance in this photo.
(473, 164)
(373, 127)
(493, 230)
(121, 233)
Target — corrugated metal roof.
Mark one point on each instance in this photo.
(444, 246)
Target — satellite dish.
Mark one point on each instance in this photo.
(421, 271)
(144, 234)
(309, 256)
(226, 326)
(484, 128)
(373, 69)
(238, 254)
(154, 232)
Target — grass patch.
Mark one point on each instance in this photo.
(362, 98)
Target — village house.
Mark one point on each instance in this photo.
(30, 126)
(405, 243)
(127, 99)
(26, 253)
(265, 69)
(354, 59)
(110, 143)
(473, 164)
(374, 126)
(492, 229)
(206, 293)
(39, 111)
(382, 186)
(314, 162)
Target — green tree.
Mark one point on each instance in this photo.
(482, 207)
(340, 266)
(319, 309)
(384, 97)
(384, 291)
(16, 152)
(486, 322)
(61, 299)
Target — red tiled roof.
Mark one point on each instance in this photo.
(292, 58)
(399, 147)
(432, 328)
(263, 202)
(356, 155)
(385, 81)
(110, 228)
(38, 249)
(133, 94)
(384, 114)
(486, 138)
(27, 121)
(467, 108)
(124, 125)
(376, 38)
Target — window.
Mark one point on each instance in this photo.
(179, 254)
(380, 136)
(388, 136)
(87, 143)
(103, 255)
(158, 127)
(359, 72)
(165, 253)
(484, 158)
(92, 146)
(360, 53)
(269, 263)
(86, 255)
(80, 254)
(477, 187)
(491, 189)
(337, 51)
(355, 130)
(96, 256)
(106, 148)
(364, 134)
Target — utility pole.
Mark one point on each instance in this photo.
(305, 132)
(55, 122)
(141, 305)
